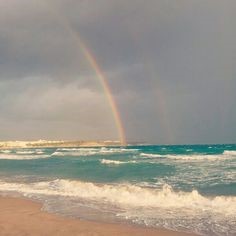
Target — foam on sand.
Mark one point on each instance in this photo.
(34, 218)
(163, 207)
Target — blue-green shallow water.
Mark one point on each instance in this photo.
(186, 188)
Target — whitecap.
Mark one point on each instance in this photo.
(151, 155)
(229, 152)
(6, 151)
(91, 151)
(194, 157)
(115, 162)
(25, 152)
(21, 157)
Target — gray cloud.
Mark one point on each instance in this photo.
(41, 108)
(170, 65)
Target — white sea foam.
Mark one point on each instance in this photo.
(77, 149)
(127, 195)
(90, 151)
(25, 152)
(74, 153)
(108, 162)
(114, 162)
(209, 157)
(39, 152)
(153, 207)
(150, 155)
(6, 151)
(21, 157)
(193, 157)
(117, 150)
(229, 153)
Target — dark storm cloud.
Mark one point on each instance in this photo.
(170, 65)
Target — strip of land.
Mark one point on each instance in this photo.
(56, 144)
(21, 217)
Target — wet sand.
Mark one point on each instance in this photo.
(22, 217)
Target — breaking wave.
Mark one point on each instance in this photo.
(6, 151)
(164, 207)
(114, 162)
(21, 157)
(229, 152)
(150, 155)
(193, 157)
(25, 152)
(127, 195)
(91, 151)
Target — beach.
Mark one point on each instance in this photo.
(117, 118)
(24, 217)
(133, 190)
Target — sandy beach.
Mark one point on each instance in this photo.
(24, 217)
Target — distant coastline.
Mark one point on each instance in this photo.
(58, 143)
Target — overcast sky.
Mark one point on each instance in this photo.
(171, 65)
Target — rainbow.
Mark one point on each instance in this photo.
(98, 71)
(100, 75)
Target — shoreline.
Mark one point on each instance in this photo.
(21, 216)
(58, 144)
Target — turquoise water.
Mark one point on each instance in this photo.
(187, 188)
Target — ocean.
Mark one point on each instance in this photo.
(190, 188)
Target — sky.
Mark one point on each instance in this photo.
(170, 65)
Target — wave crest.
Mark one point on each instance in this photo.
(229, 152)
(91, 151)
(21, 157)
(151, 155)
(127, 195)
(6, 151)
(193, 157)
(114, 162)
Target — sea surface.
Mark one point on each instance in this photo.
(189, 188)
